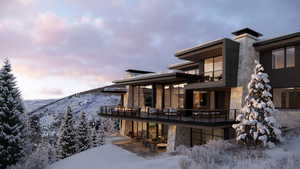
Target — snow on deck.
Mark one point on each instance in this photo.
(113, 157)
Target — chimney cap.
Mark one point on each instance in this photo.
(247, 30)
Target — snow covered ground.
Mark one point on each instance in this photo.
(285, 156)
(111, 156)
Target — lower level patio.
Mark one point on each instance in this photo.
(139, 147)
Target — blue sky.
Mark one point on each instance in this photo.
(59, 47)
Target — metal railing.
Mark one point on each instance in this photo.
(183, 115)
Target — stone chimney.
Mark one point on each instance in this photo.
(247, 56)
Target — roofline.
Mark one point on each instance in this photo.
(199, 47)
(137, 71)
(276, 39)
(248, 31)
(183, 65)
(137, 79)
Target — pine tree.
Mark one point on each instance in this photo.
(97, 134)
(256, 123)
(93, 137)
(66, 144)
(101, 134)
(82, 135)
(11, 119)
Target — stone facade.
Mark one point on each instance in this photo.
(247, 57)
(178, 135)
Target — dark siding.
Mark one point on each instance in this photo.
(231, 62)
(282, 78)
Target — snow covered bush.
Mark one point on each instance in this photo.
(257, 125)
(183, 150)
(185, 163)
(40, 158)
(12, 135)
(211, 154)
(66, 144)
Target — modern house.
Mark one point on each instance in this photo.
(197, 100)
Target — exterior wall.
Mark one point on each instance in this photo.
(247, 57)
(130, 96)
(212, 100)
(125, 100)
(236, 96)
(178, 135)
(126, 127)
(282, 78)
(159, 97)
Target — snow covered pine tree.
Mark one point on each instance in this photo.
(82, 135)
(101, 133)
(66, 144)
(97, 136)
(256, 124)
(11, 120)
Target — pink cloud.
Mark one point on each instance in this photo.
(52, 91)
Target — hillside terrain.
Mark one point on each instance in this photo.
(50, 112)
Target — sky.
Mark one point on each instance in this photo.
(60, 47)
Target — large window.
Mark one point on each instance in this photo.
(290, 57)
(174, 96)
(286, 98)
(193, 71)
(213, 68)
(201, 99)
(203, 136)
(142, 96)
(283, 57)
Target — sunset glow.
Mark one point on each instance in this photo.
(58, 48)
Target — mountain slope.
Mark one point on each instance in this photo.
(51, 113)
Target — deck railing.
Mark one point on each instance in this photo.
(183, 115)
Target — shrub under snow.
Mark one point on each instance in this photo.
(224, 155)
(257, 124)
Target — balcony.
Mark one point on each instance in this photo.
(178, 116)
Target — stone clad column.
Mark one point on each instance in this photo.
(247, 57)
(178, 135)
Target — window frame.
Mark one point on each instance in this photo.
(285, 65)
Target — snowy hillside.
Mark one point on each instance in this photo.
(31, 105)
(51, 115)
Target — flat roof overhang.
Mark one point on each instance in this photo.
(202, 51)
(174, 77)
(286, 40)
(205, 85)
(184, 65)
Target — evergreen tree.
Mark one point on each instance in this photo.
(11, 119)
(66, 144)
(257, 125)
(97, 134)
(93, 137)
(82, 133)
(101, 133)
